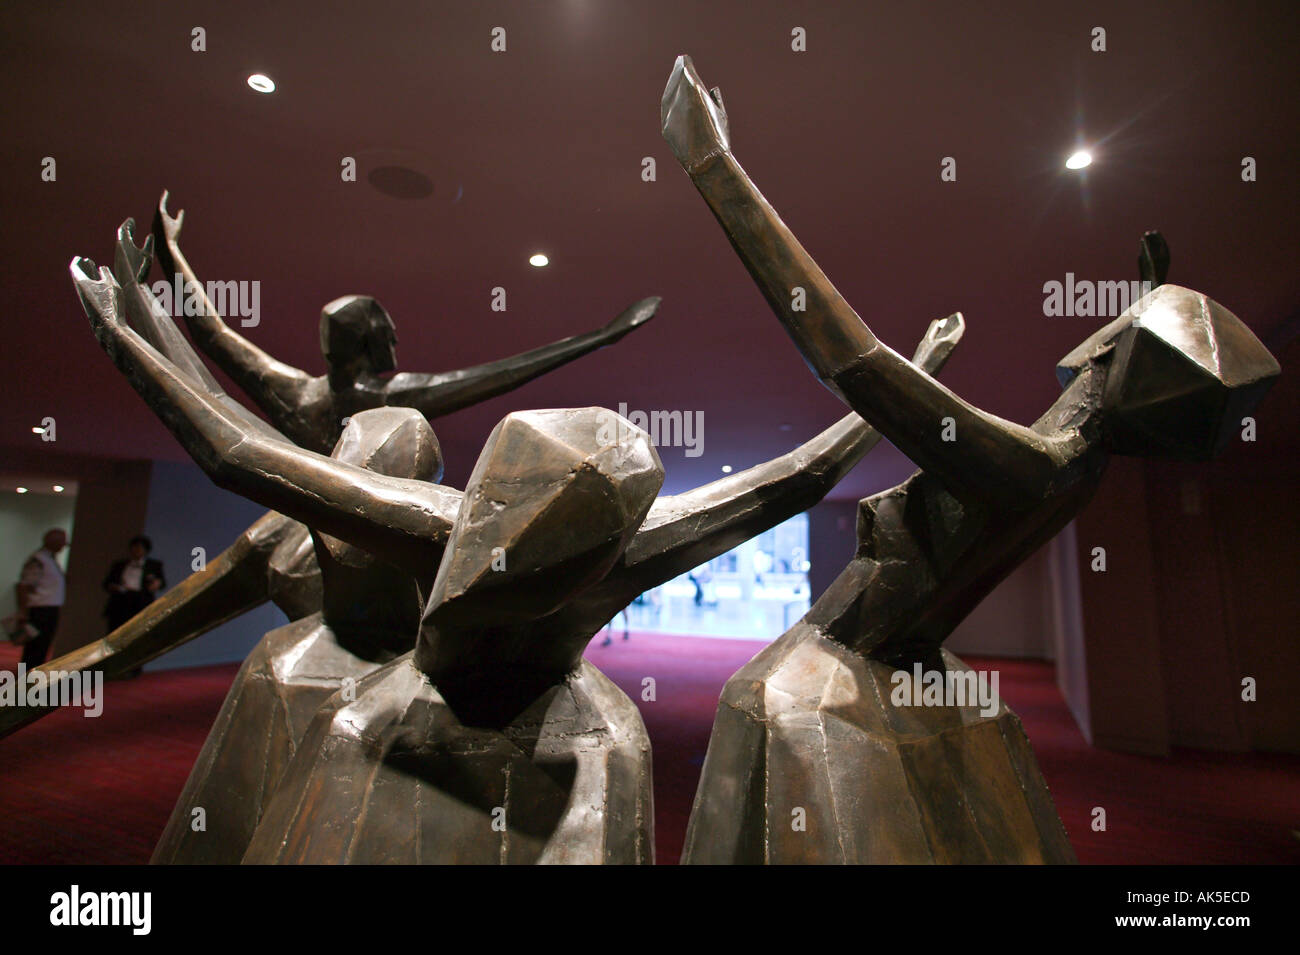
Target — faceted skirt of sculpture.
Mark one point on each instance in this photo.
(283, 682)
(811, 762)
(394, 777)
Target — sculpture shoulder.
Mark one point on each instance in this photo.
(263, 661)
(312, 417)
(281, 649)
(308, 652)
(600, 710)
(795, 669)
(362, 395)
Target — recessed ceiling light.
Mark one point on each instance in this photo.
(1079, 160)
(262, 83)
(726, 469)
(538, 260)
(21, 490)
(58, 489)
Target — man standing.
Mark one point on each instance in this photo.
(132, 583)
(40, 595)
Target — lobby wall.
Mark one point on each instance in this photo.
(1198, 598)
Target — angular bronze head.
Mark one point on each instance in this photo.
(553, 502)
(1181, 372)
(367, 600)
(398, 442)
(357, 336)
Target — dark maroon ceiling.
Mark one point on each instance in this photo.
(543, 146)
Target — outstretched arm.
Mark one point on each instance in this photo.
(148, 317)
(131, 264)
(990, 459)
(685, 530)
(440, 394)
(404, 521)
(232, 584)
(276, 387)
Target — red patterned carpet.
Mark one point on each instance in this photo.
(77, 790)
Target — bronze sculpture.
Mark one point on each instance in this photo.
(808, 729)
(274, 559)
(493, 741)
(369, 611)
(271, 560)
(488, 674)
(365, 611)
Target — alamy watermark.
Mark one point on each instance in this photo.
(667, 429)
(230, 299)
(1087, 299)
(946, 688)
(83, 688)
(75, 907)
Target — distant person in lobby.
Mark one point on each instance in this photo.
(40, 595)
(132, 584)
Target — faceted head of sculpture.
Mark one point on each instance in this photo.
(551, 505)
(1181, 371)
(357, 337)
(398, 442)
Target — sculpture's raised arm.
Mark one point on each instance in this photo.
(231, 584)
(131, 264)
(270, 383)
(991, 458)
(406, 520)
(147, 316)
(685, 530)
(434, 395)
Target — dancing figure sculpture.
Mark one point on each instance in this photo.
(809, 723)
(275, 558)
(366, 611)
(499, 641)
(369, 612)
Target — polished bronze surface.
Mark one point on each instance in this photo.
(354, 331)
(369, 613)
(467, 751)
(289, 575)
(561, 530)
(804, 725)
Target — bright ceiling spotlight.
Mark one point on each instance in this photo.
(21, 490)
(726, 469)
(58, 489)
(538, 260)
(37, 429)
(262, 83)
(1079, 160)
